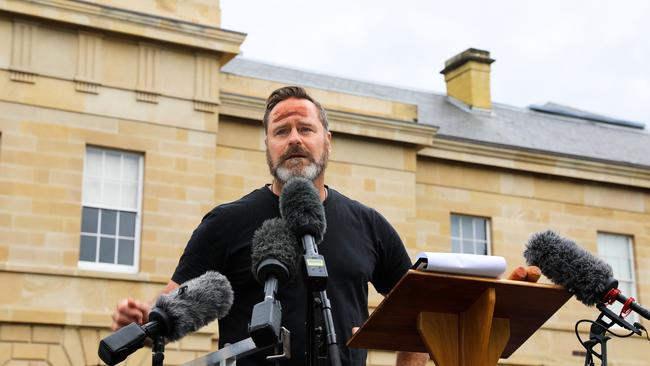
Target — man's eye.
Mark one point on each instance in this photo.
(281, 131)
(306, 129)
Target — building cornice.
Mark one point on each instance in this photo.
(242, 106)
(141, 25)
(341, 122)
(537, 162)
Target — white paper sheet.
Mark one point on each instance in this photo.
(465, 264)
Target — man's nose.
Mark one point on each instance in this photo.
(294, 137)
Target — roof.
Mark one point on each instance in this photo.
(506, 126)
(563, 110)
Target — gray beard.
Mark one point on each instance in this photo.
(310, 171)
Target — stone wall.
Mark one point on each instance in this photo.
(519, 204)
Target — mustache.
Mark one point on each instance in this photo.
(296, 150)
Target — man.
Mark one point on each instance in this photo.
(360, 246)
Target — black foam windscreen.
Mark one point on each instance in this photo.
(274, 240)
(301, 207)
(196, 303)
(567, 264)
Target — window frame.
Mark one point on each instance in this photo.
(115, 267)
(488, 232)
(633, 317)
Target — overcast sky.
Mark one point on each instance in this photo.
(592, 55)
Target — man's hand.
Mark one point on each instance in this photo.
(128, 311)
(411, 359)
(407, 358)
(528, 274)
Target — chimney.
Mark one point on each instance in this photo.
(468, 78)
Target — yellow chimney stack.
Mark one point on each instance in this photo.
(468, 78)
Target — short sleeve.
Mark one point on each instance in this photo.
(392, 259)
(205, 250)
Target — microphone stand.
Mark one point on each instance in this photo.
(598, 331)
(230, 353)
(316, 276)
(158, 351)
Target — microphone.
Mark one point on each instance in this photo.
(304, 213)
(274, 261)
(274, 252)
(193, 305)
(301, 207)
(580, 272)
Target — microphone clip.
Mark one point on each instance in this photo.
(627, 307)
(316, 272)
(611, 295)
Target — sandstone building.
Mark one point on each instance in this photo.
(122, 123)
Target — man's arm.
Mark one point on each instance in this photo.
(131, 310)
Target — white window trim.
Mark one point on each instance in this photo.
(118, 268)
(488, 231)
(488, 235)
(633, 317)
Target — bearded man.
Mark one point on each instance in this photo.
(360, 246)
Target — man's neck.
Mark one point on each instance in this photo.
(319, 183)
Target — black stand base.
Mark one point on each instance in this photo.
(598, 331)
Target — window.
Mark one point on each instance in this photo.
(110, 216)
(617, 250)
(469, 234)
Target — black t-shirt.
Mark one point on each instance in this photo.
(359, 246)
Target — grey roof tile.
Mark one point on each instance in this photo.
(509, 126)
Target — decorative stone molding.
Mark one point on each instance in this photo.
(89, 60)
(148, 67)
(146, 97)
(206, 93)
(22, 76)
(341, 122)
(205, 106)
(114, 19)
(87, 87)
(473, 152)
(242, 106)
(22, 49)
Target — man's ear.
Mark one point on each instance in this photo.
(329, 141)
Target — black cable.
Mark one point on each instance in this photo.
(603, 327)
(607, 330)
(639, 326)
(589, 361)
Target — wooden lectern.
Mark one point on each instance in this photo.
(459, 320)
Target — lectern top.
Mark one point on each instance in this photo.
(393, 325)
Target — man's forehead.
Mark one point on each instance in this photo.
(292, 107)
(286, 113)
